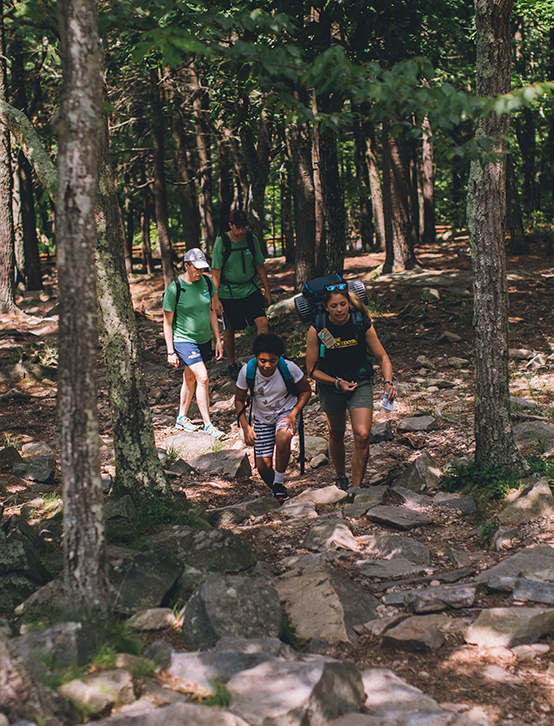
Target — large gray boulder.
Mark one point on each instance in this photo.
(531, 559)
(310, 691)
(398, 517)
(236, 514)
(188, 445)
(216, 550)
(330, 535)
(21, 560)
(422, 474)
(324, 604)
(175, 715)
(64, 645)
(507, 627)
(142, 580)
(533, 501)
(415, 424)
(229, 463)
(534, 437)
(231, 605)
(199, 673)
(396, 545)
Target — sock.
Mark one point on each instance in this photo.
(279, 477)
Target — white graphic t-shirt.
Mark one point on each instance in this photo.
(271, 397)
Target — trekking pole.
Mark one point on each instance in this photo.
(301, 443)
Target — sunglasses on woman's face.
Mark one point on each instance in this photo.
(340, 286)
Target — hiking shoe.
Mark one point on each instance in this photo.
(342, 482)
(233, 370)
(212, 431)
(280, 493)
(185, 424)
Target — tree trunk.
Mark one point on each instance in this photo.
(526, 132)
(147, 264)
(78, 131)
(304, 203)
(287, 233)
(257, 154)
(331, 191)
(518, 244)
(31, 269)
(7, 233)
(129, 231)
(399, 237)
(486, 215)
(28, 259)
(138, 471)
(23, 697)
(226, 192)
(427, 223)
(376, 189)
(320, 231)
(159, 186)
(200, 104)
(187, 193)
(362, 182)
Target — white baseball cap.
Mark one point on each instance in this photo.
(197, 258)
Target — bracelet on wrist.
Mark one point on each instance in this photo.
(174, 353)
(337, 383)
(389, 382)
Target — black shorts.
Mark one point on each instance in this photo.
(240, 312)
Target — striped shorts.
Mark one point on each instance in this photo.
(265, 441)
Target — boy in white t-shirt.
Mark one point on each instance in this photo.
(274, 409)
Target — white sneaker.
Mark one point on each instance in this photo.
(185, 424)
(212, 431)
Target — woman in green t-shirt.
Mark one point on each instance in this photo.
(189, 320)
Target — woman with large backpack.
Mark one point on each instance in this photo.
(337, 358)
(189, 321)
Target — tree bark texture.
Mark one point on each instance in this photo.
(518, 243)
(138, 471)
(376, 189)
(304, 203)
(334, 216)
(399, 230)
(28, 260)
(200, 105)
(427, 175)
(159, 186)
(187, 193)
(31, 268)
(257, 153)
(287, 233)
(365, 222)
(226, 191)
(7, 232)
(78, 130)
(23, 697)
(486, 215)
(526, 136)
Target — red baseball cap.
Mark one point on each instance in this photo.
(238, 218)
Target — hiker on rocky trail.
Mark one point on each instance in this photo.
(189, 321)
(337, 358)
(278, 390)
(236, 260)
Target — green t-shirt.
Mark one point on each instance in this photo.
(191, 322)
(240, 268)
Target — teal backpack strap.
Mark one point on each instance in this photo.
(292, 388)
(250, 376)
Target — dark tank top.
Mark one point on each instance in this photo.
(347, 353)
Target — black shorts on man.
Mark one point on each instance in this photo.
(238, 313)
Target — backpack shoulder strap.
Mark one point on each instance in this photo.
(209, 284)
(178, 290)
(284, 370)
(251, 367)
(250, 243)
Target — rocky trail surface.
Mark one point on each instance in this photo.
(396, 604)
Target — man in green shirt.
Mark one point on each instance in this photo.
(236, 260)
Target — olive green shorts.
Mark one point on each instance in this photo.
(334, 401)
